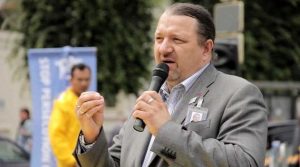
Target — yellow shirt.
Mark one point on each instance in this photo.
(64, 128)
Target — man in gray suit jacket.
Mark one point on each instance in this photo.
(200, 117)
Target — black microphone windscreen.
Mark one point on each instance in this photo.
(161, 70)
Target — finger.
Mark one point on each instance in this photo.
(140, 114)
(88, 96)
(90, 113)
(86, 106)
(141, 97)
(99, 115)
(87, 92)
(147, 95)
(156, 96)
(145, 98)
(149, 101)
(142, 105)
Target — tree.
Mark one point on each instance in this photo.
(271, 40)
(208, 4)
(119, 29)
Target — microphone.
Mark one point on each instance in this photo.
(159, 75)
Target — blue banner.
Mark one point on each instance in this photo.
(49, 71)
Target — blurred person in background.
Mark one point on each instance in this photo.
(63, 124)
(24, 133)
(294, 160)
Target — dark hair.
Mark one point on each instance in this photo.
(79, 66)
(26, 110)
(206, 27)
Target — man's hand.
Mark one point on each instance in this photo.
(89, 109)
(152, 110)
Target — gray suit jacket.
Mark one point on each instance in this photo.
(233, 134)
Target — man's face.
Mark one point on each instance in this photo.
(23, 115)
(80, 81)
(177, 44)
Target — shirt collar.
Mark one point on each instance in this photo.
(187, 83)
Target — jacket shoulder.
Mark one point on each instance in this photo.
(235, 82)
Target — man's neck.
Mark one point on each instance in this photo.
(76, 93)
(172, 84)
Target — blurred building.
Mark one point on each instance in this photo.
(14, 87)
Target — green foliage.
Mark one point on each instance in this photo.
(119, 29)
(208, 4)
(272, 40)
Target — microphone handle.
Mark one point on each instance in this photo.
(139, 125)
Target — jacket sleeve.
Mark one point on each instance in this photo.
(240, 142)
(57, 134)
(99, 155)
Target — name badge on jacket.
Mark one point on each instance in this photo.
(196, 112)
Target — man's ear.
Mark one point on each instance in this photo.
(208, 49)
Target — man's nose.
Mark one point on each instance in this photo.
(84, 82)
(165, 47)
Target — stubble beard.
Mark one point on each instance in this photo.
(174, 77)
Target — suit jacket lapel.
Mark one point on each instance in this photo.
(141, 143)
(199, 88)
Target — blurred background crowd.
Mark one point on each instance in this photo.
(257, 40)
